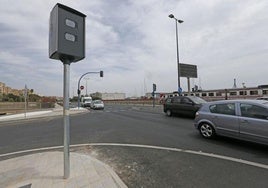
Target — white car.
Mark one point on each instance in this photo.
(97, 104)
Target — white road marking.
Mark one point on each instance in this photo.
(30, 150)
(149, 147)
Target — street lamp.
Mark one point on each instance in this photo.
(86, 84)
(177, 42)
(78, 88)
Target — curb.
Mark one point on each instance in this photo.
(115, 177)
(51, 114)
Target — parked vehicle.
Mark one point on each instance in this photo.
(242, 119)
(97, 104)
(262, 98)
(183, 105)
(86, 101)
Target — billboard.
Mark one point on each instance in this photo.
(187, 70)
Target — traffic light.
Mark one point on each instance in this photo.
(101, 73)
(154, 87)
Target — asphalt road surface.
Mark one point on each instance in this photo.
(147, 148)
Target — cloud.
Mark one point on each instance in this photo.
(133, 42)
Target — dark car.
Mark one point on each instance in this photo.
(183, 105)
(262, 98)
(241, 119)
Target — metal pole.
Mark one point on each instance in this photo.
(153, 99)
(86, 87)
(25, 100)
(79, 91)
(188, 83)
(178, 60)
(25, 106)
(66, 118)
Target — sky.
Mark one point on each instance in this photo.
(134, 43)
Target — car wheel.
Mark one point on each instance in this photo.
(206, 130)
(169, 113)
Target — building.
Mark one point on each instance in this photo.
(2, 87)
(97, 95)
(113, 96)
(8, 90)
(157, 95)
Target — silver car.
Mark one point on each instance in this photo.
(242, 119)
(97, 104)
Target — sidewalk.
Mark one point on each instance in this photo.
(45, 169)
(57, 111)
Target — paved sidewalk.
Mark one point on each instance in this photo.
(44, 170)
(58, 111)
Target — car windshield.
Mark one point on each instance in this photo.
(98, 102)
(198, 100)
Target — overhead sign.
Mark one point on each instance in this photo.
(187, 70)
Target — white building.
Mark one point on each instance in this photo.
(113, 96)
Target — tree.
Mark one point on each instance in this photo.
(74, 99)
(13, 98)
(34, 98)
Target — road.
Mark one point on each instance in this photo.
(147, 148)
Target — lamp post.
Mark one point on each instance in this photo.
(78, 88)
(86, 84)
(177, 43)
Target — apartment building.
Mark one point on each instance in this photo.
(8, 90)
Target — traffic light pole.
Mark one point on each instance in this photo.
(78, 87)
(153, 99)
(154, 89)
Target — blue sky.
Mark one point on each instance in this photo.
(133, 42)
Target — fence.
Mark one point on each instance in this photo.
(16, 107)
(134, 101)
